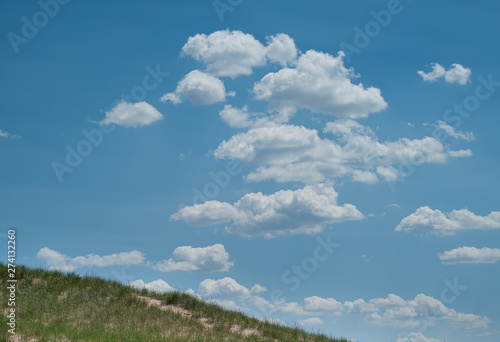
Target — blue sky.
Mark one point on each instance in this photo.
(115, 116)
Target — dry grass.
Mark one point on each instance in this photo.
(54, 306)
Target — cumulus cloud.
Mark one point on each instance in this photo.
(203, 259)
(470, 255)
(287, 153)
(8, 135)
(132, 114)
(156, 285)
(388, 311)
(439, 223)
(417, 337)
(396, 312)
(305, 210)
(456, 74)
(359, 306)
(320, 83)
(199, 88)
(235, 117)
(62, 262)
(316, 303)
(226, 289)
(281, 49)
(234, 53)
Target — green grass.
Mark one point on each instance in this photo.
(54, 306)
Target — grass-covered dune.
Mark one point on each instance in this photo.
(53, 306)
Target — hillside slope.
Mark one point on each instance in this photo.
(53, 306)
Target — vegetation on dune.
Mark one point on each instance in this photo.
(54, 306)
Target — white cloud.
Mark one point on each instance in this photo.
(417, 337)
(439, 223)
(359, 306)
(316, 303)
(281, 49)
(320, 83)
(460, 153)
(364, 177)
(287, 153)
(199, 88)
(310, 322)
(305, 210)
(388, 173)
(8, 135)
(132, 114)
(204, 259)
(289, 308)
(453, 133)
(235, 117)
(470, 255)
(257, 289)
(394, 311)
(227, 304)
(54, 259)
(156, 285)
(399, 313)
(389, 311)
(224, 289)
(234, 53)
(456, 74)
(437, 72)
(59, 261)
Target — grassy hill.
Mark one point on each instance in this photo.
(53, 306)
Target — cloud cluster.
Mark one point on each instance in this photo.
(62, 262)
(457, 73)
(185, 259)
(203, 259)
(286, 153)
(391, 311)
(234, 53)
(132, 114)
(470, 255)
(319, 83)
(305, 210)
(396, 312)
(441, 224)
(315, 81)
